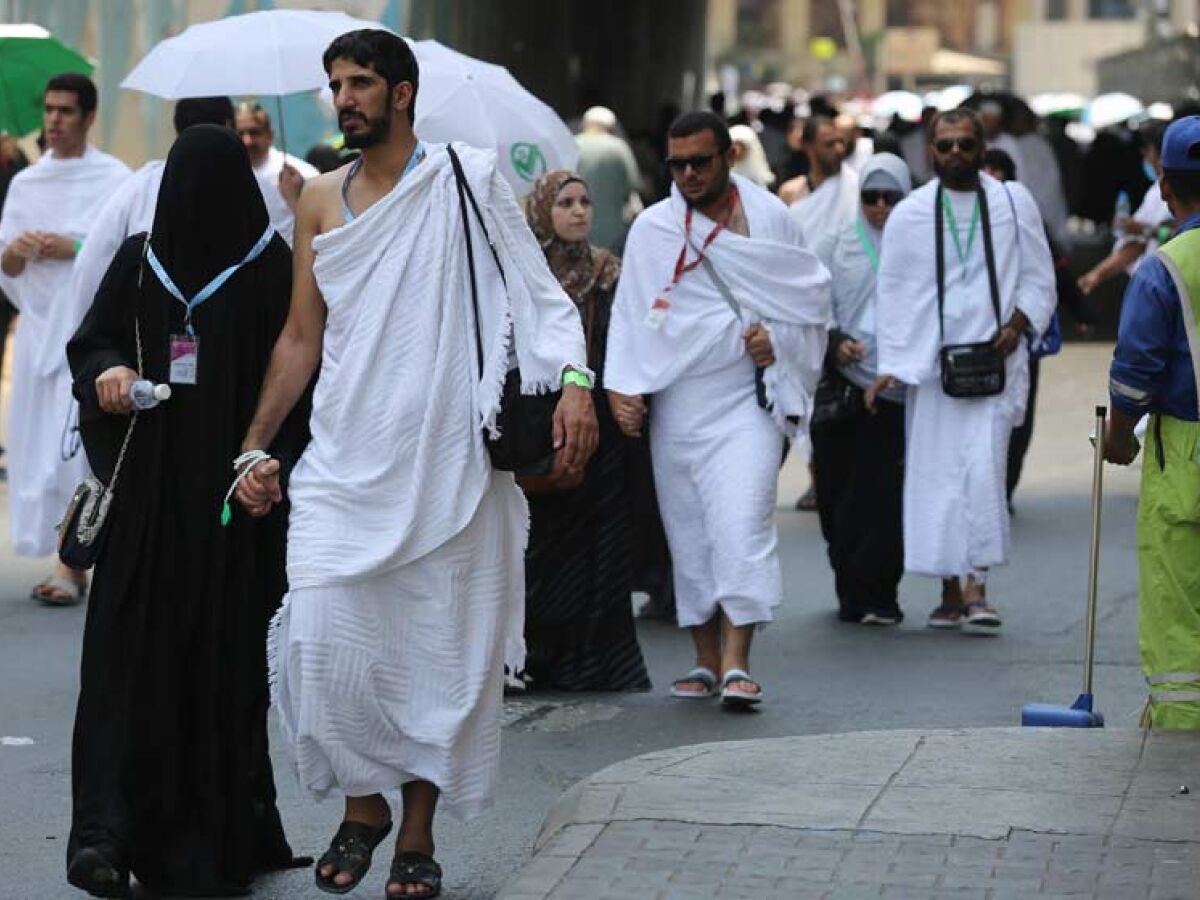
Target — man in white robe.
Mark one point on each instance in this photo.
(130, 209)
(280, 175)
(719, 322)
(405, 547)
(955, 517)
(832, 201)
(47, 214)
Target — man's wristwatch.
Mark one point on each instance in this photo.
(572, 376)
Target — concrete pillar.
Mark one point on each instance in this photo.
(1077, 10)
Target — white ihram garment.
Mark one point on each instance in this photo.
(826, 211)
(130, 210)
(955, 516)
(267, 175)
(716, 454)
(405, 549)
(60, 196)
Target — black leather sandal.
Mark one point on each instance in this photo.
(349, 853)
(409, 868)
(92, 869)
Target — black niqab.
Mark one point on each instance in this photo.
(210, 210)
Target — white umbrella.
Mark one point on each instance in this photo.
(481, 104)
(268, 53)
(904, 104)
(1057, 102)
(1112, 109)
(271, 53)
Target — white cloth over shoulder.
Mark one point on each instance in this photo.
(826, 211)
(130, 210)
(1151, 212)
(955, 517)
(775, 280)
(60, 196)
(267, 175)
(405, 548)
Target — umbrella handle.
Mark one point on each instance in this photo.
(282, 126)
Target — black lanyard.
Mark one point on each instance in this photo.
(940, 243)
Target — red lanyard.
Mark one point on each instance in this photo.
(682, 267)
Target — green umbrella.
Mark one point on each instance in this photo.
(29, 57)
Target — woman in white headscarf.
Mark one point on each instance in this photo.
(751, 157)
(859, 452)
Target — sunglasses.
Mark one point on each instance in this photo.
(967, 145)
(679, 164)
(890, 198)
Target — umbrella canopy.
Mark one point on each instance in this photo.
(1112, 109)
(1058, 104)
(904, 104)
(481, 104)
(29, 57)
(268, 53)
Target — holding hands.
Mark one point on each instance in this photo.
(629, 411)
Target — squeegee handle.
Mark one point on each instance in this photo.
(1089, 648)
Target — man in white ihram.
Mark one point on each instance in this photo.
(46, 218)
(955, 512)
(281, 176)
(720, 320)
(405, 548)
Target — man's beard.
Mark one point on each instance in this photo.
(376, 133)
(715, 192)
(958, 178)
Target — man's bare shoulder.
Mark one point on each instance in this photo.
(321, 201)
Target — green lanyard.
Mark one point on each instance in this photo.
(958, 247)
(868, 247)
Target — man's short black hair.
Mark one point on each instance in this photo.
(812, 126)
(1184, 184)
(996, 158)
(702, 120)
(81, 86)
(388, 54)
(954, 117)
(203, 111)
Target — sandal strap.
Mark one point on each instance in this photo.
(701, 674)
(738, 675)
(352, 846)
(413, 867)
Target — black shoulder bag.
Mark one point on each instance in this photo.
(525, 421)
(969, 370)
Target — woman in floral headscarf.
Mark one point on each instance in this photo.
(579, 566)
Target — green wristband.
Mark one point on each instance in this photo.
(78, 245)
(571, 376)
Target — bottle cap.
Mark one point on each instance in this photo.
(162, 392)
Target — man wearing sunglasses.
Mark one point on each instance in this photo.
(720, 322)
(965, 273)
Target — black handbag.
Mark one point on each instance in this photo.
(837, 399)
(84, 525)
(969, 370)
(525, 422)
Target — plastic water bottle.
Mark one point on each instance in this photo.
(147, 395)
(1124, 211)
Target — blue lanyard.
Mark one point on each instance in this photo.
(418, 155)
(213, 286)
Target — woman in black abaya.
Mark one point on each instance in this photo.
(172, 781)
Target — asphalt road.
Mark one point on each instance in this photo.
(820, 675)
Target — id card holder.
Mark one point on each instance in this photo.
(185, 356)
(657, 314)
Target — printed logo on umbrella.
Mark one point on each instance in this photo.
(528, 161)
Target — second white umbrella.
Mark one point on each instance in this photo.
(465, 99)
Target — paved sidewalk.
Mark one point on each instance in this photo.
(992, 814)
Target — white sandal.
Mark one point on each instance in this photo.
(69, 592)
(731, 696)
(700, 674)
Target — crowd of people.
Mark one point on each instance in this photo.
(316, 518)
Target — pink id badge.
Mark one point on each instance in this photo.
(185, 355)
(657, 314)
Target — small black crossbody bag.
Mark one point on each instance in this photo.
(525, 421)
(969, 370)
